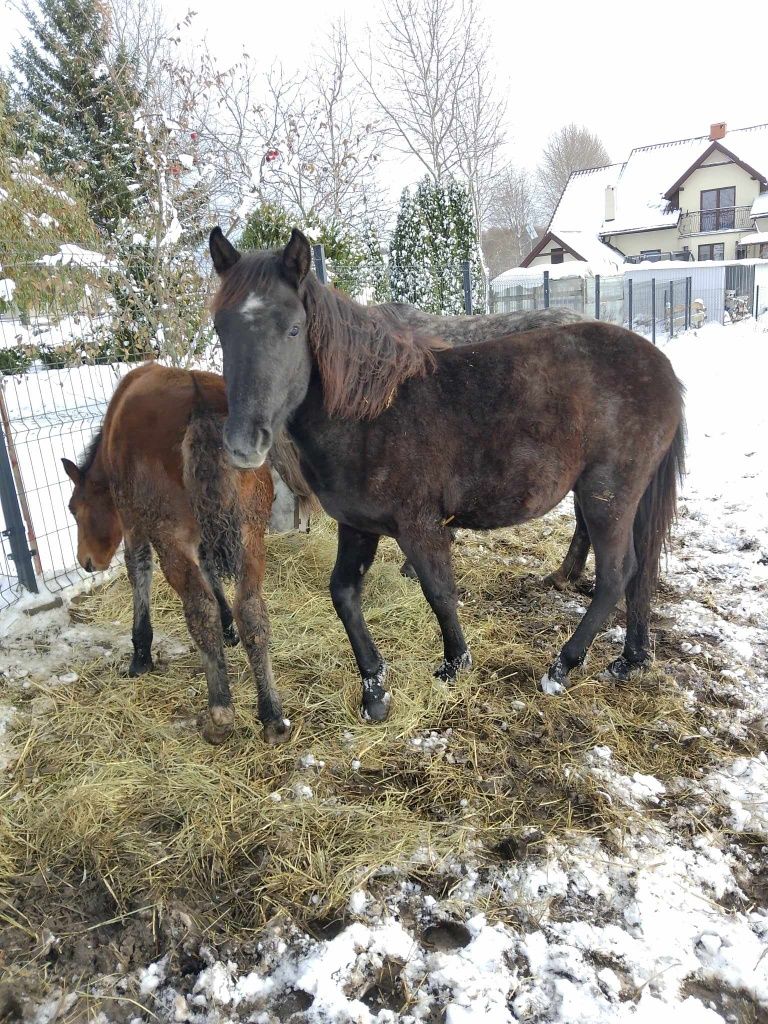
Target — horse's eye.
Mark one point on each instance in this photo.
(294, 330)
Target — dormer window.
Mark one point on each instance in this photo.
(718, 209)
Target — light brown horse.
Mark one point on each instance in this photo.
(156, 477)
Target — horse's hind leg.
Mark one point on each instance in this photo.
(576, 558)
(611, 532)
(431, 558)
(138, 563)
(253, 623)
(231, 639)
(203, 619)
(355, 553)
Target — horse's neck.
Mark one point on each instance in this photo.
(98, 473)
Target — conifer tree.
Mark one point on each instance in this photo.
(435, 232)
(79, 99)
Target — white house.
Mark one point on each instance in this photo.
(696, 199)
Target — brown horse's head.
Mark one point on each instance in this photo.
(99, 530)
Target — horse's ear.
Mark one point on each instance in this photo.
(74, 473)
(223, 253)
(297, 257)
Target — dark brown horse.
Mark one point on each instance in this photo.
(156, 477)
(463, 330)
(400, 435)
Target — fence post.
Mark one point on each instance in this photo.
(546, 289)
(688, 290)
(14, 524)
(653, 310)
(757, 301)
(466, 276)
(629, 297)
(318, 253)
(597, 296)
(671, 309)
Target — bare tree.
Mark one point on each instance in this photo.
(430, 77)
(307, 142)
(512, 214)
(570, 149)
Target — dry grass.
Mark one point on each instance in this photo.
(115, 783)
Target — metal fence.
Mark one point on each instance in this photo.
(658, 303)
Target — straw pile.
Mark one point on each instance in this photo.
(115, 782)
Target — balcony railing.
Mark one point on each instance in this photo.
(682, 256)
(729, 218)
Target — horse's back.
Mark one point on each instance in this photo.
(150, 411)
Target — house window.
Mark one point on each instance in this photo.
(716, 251)
(741, 252)
(764, 250)
(717, 209)
(654, 255)
(557, 255)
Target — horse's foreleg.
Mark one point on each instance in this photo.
(576, 557)
(431, 558)
(356, 551)
(203, 619)
(615, 564)
(253, 623)
(407, 569)
(138, 563)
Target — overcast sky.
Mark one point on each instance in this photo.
(633, 73)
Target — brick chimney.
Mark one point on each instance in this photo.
(717, 131)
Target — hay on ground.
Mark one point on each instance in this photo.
(115, 783)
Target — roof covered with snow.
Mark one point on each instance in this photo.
(651, 171)
(760, 206)
(641, 183)
(582, 204)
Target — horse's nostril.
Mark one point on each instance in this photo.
(89, 566)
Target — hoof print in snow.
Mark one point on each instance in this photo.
(446, 936)
(326, 928)
(387, 991)
(292, 1003)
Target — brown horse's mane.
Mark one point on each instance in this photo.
(363, 354)
(88, 457)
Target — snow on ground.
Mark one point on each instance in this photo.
(665, 930)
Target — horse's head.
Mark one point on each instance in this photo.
(99, 530)
(261, 322)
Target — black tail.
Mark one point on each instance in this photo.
(653, 523)
(211, 485)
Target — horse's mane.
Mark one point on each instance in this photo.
(88, 457)
(363, 354)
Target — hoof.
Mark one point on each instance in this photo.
(407, 570)
(277, 732)
(555, 681)
(140, 667)
(231, 638)
(216, 724)
(556, 580)
(622, 669)
(376, 699)
(448, 670)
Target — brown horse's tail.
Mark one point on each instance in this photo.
(211, 486)
(653, 524)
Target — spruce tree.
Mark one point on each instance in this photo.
(435, 232)
(79, 101)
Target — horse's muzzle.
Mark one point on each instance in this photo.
(248, 456)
